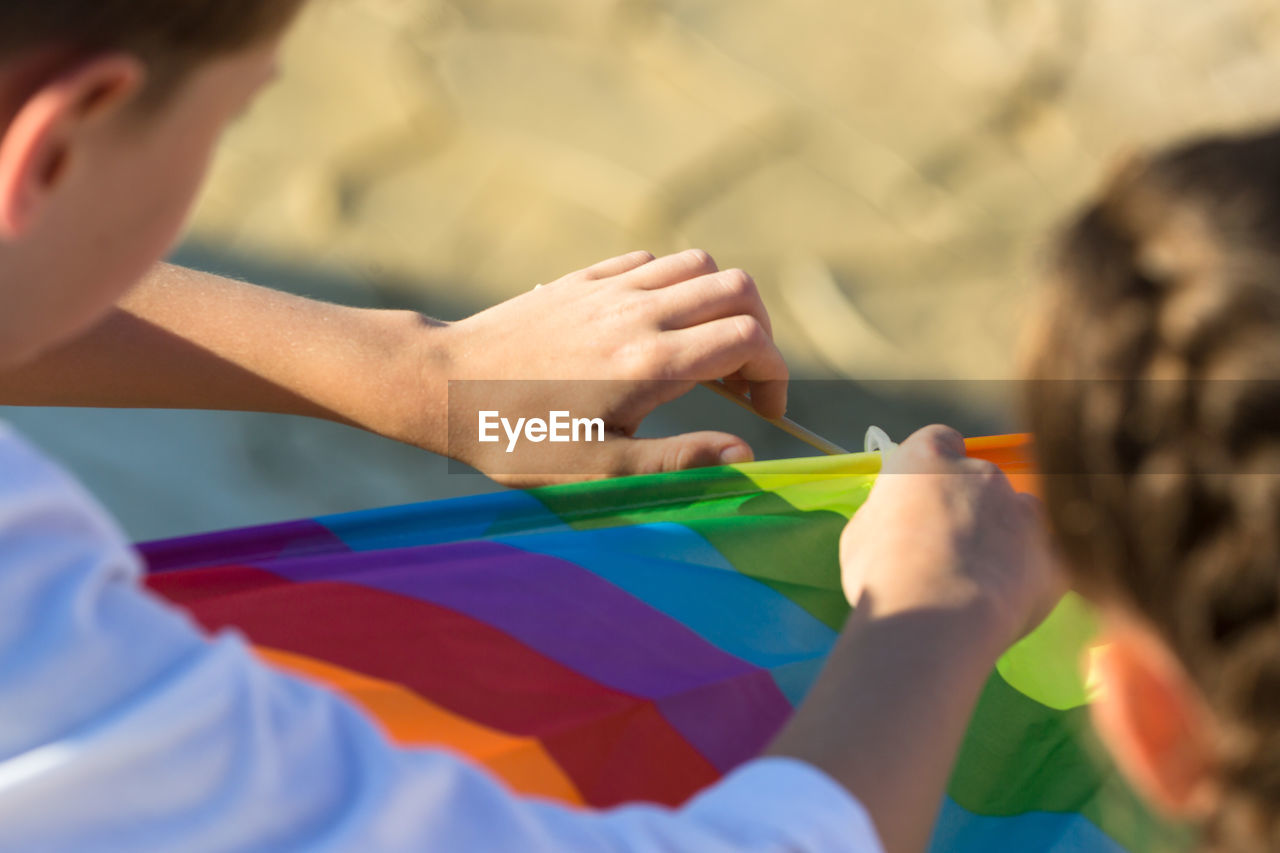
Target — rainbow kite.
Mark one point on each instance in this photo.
(635, 639)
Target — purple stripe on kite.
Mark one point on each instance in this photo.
(676, 571)
(726, 707)
(251, 545)
(731, 721)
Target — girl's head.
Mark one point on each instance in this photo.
(1154, 396)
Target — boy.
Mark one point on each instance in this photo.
(123, 728)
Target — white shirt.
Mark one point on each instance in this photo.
(123, 728)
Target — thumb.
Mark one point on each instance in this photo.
(924, 448)
(680, 452)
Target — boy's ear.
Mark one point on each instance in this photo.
(1155, 723)
(44, 136)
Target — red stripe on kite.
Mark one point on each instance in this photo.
(478, 672)
(187, 588)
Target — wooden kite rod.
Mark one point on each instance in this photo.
(787, 425)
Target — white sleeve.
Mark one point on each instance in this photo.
(122, 728)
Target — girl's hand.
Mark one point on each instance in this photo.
(941, 531)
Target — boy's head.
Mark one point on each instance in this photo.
(1155, 402)
(109, 112)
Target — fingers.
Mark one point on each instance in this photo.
(924, 449)
(617, 266)
(621, 456)
(679, 453)
(731, 296)
(1033, 504)
(941, 440)
(710, 297)
(710, 324)
(1041, 558)
(769, 397)
(737, 384)
(672, 269)
(732, 345)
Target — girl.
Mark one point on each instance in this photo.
(1156, 410)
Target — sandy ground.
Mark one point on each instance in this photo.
(887, 170)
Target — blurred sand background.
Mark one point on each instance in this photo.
(886, 170)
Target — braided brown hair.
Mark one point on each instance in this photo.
(1154, 399)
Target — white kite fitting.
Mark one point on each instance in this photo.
(878, 441)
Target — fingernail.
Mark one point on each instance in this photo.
(735, 454)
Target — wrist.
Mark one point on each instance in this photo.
(412, 405)
(886, 716)
(972, 630)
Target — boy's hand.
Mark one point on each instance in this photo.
(652, 327)
(941, 531)
(184, 339)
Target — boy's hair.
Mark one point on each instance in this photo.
(173, 37)
(1154, 396)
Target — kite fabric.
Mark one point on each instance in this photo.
(635, 639)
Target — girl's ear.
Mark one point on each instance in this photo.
(1155, 723)
(45, 137)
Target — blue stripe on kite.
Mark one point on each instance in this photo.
(961, 831)
(439, 522)
(675, 570)
(794, 679)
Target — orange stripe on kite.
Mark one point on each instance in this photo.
(411, 720)
(1012, 453)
